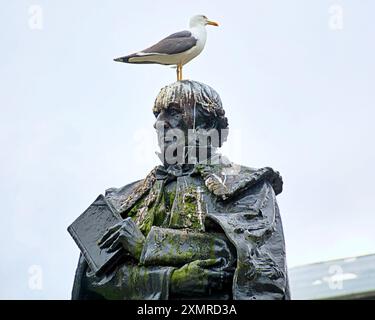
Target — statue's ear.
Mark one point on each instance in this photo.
(203, 118)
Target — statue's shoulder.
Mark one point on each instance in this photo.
(125, 197)
(227, 180)
(115, 196)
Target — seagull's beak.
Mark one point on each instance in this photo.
(212, 23)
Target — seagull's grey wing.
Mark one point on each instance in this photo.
(181, 34)
(175, 43)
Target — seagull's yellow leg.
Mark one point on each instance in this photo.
(179, 72)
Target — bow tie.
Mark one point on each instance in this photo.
(171, 173)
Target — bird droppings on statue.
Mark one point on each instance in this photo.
(177, 49)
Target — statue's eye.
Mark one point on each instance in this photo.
(173, 112)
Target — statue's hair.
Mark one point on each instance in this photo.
(187, 94)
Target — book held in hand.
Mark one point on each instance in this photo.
(88, 229)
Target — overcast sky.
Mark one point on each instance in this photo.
(296, 80)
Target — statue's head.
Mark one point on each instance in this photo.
(190, 122)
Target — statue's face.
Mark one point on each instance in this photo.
(173, 126)
(168, 121)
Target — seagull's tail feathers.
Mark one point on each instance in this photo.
(139, 57)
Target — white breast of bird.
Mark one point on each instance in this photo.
(200, 34)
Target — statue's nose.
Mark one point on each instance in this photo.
(161, 123)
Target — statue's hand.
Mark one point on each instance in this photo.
(199, 278)
(124, 234)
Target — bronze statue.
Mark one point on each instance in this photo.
(196, 227)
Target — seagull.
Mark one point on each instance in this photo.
(177, 49)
